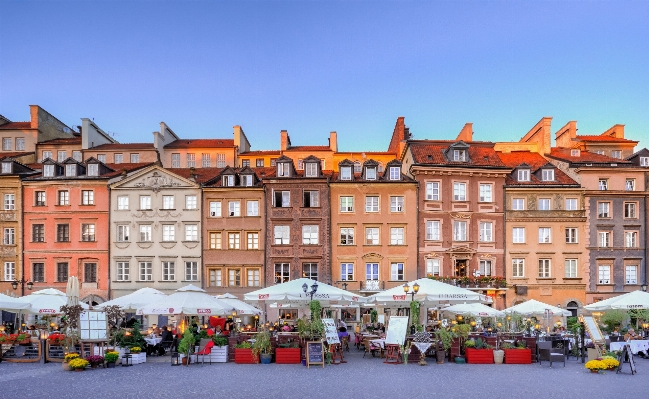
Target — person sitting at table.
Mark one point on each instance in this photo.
(342, 326)
(218, 330)
(631, 335)
(167, 340)
(286, 327)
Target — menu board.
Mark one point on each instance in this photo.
(593, 329)
(397, 328)
(314, 353)
(331, 333)
(93, 326)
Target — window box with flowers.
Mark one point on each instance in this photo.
(517, 355)
(478, 352)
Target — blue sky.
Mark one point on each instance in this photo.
(313, 67)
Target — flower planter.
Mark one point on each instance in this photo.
(138, 358)
(66, 366)
(287, 355)
(479, 356)
(244, 356)
(265, 358)
(110, 365)
(219, 354)
(498, 356)
(518, 356)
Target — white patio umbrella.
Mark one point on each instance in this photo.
(535, 308)
(632, 300)
(474, 309)
(292, 293)
(46, 301)
(189, 300)
(431, 293)
(135, 300)
(240, 307)
(72, 291)
(11, 304)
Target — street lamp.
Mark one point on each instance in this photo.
(415, 289)
(314, 289)
(22, 283)
(644, 287)
(345, 286)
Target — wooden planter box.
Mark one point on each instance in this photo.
(479, 356)
(244, 356)
(518, 356)
(288, 355)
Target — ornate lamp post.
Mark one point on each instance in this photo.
(415, 289)
(22, 283)
(314, 289)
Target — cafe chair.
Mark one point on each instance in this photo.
(370, 348)
(205, 346)
(344, 342)
(548, 353)
(165, 346)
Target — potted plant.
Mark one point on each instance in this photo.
(78, 364)
(111, 358)
(518, 354)
(186, 346)
(478, 352)
(596, 365)
(220, 350)
(262, 348)
(56, 339)
(66, 360)
(444, 339)
(288, 353)
(243, 353)
(95, 360)
(611, 362)
(22, 338)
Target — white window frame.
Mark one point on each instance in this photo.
(234, 240)
(459, 191)
(433, 230)
(433, 267)
(168, 202)
(311, 169)
(571, 204)
(545, 204)
(518, 204)
(572, 235)
(122, 203)
(282, 235)
(372, 236)
(168, 232)
(460, 230)
(146, 270)
(345, 173)
(145, 233)
(145, 202)
(570, 266)
(168, 270)
(10, 202)
(485, 266)
(397, 271)
(347, 236)
(523, 175)
(215, 209)
(486, 231)
(371, 203)
(395, 173)
(545, 235)
(518, 235)
(252, 208)
(234, 208)
(396, 204)
(604, 210)
(175, 160)
(432, 191)
(547, 174)
(123, 271)
(486, 192)
(518, 267)
(252, 240)
(346, 204)
(347, 271)
(123, 233)
(604, 274)
(191, 232)
(630, 239)
(282, 272)
(87, 197)
(604, 239)
(631, 274)
(545, 265)
(397, 236)
(191, 202)
(191, 270)
(310, 234)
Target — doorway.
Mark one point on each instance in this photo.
(461, 267)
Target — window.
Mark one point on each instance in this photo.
(396, 271)
(215, 209)
(282, 273)
(600, 152)
(234, 208)
(71, 170)
(395, 173)
(47, 154)
(283, 169)
(252, 208)
(432, 267)
(604, 239)
(571, 204)
(40, 198)
(20, 144)
(246, 180)
(123, 233)
(61, 156)
(603, 209)
(371, 236)
(206, 161)
(282, 235)
(90, 272)
(518, 204)
(234, 240)
(215, 240)
(253, 240)
(245, 163)
(145, 202)
(168, 202)
(254, 278)
(93, 169)
(459, 155)
(135, 158)
(175, 160)
(346, 204)
(282, 199)
(459, 230)
(346, 236)
(64, 198)
(146, 271)
(101, 158)
(629, 185)
(7, 167)
(544, 204)
(603, 184)
(544, 268)
(300, 164)
(518, 235)
(371, 271)
(168, 271)
(168, 232)
(119, 158)
(518, 267)
(309, 235)
(370, 173)
(574, 153)
(571, 235)
(191, 271)
(459, 191)
(631, 239)
(259, 163)
(433, 230)
(486, 192)
(396, 204)
(227, 181)
(371, 204)
(234, 277)
(191, 160)
(38, 233)
(485, 267)
(571, 268)
(190, 202)
(345, 173)
(630, 210)
(76, 155)
(347, 271)
(62, 272)
(9, 236)
(547, 174)
(644, 161)
(191, 232)
(220, 160)
(616, 154)
(122, 202)
(38, 272)
(432, 191)
(545, 235)
(145, 233)
(48, 170)
(631, 274)
(486, 231)
(523, 175)
(9, 271)
(62, 233)
(311, 169)
(87, 232)
(311, 199)
(87, 197)
(396, 236)
(604, 274)
(10, 202)
(310, 270)
(216, 277)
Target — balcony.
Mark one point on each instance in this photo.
(372, 286)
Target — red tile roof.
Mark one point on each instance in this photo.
(432, 153)
(123, 146)
(201, 174)
(604, 139)
(66, 140)
(584, 156)
(535, 161)
(309, 148)
(14, 154)
(261, 152)
(16, 125)
(201, 143)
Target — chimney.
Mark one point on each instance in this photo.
(466, 134)
(616, 131)
(285, 140)
(564, 136)
(333, 141)
(192, 174)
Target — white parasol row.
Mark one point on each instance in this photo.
(431, 293)
(474, 309)
(292, 293)
(533, 307)
(632, 300)
(188, 300)
(46, 301)
(135, 300)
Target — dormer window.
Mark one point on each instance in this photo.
(71, 170)
(311, 169)
(644, 161)
(228, 180)
(574, 153)
(93, 169)
(346, 173)
(246, 180)
(395, 173)
(6, 167)
(547, 174)
(616, 154)
(523, 175)
(283, 169)
(370, 173)
(48, 170)
(459, 155)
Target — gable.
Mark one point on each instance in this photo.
(155, 179)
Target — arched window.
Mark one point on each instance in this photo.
(572, 308)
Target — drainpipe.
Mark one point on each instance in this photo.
(643, 262)
(109, 241)
(265, 188)
(505, 239)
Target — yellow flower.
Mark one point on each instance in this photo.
(71, 356)
(610, 362)
(78, 363)
(596, 365)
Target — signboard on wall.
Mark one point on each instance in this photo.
(93, 326)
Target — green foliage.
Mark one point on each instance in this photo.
(202, 334)
(244, 345)
(262, 344)
(507, 345)
(445, 337)
(111, 357)
(463, 330)
(220, 340)
(186, 345)
(573, 324)
(521, 344)
(414, 315)
(374, 316)
(612, 319)
(469, 344)
(316, 309)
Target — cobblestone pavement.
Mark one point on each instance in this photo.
(359, 378)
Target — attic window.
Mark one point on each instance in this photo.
(246, 180)
(644, 161)
(283, 169)
(523, 175)
(71, 170)
(228, 181)
(6, 167)
(547, 175)
(574, 153)
(311, 169)
(459, 155)
(93, 169)
(370, 173)
(345, 173)
(48, 170)
(395, 173)
(430, 157)
(616, 154)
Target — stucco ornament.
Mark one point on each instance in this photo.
(156, 182)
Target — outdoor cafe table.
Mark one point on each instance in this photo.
(378, 342)
(636, 345)
(153, 341)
